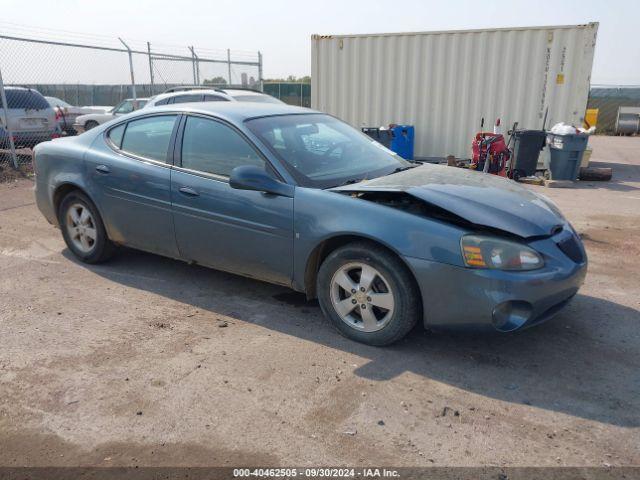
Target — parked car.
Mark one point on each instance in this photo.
(188, 94)
(31, 119)
(92, 120)
(298, 198)
(66, 114)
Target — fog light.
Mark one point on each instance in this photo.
(511, 315)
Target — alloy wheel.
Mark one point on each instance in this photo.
(81, 227)
(362, 297)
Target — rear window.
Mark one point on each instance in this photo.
(25, 99)
(256, 98)
(215, 98)
(191, 97)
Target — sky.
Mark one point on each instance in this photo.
(281, 29)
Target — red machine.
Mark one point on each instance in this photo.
(490, 152)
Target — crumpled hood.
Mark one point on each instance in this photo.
(482, 199)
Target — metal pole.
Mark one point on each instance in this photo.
(133, 80)
(193, 66)
(229, 64)
(5, 107)
(150, 66)
(196, 67)
(260, 72)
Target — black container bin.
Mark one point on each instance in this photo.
(526, 150)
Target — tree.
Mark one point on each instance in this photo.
(290, 79)
(214, 81)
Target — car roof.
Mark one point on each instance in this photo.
(199, 91)
(231, 111)
(12, 87)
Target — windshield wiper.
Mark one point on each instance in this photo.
(402, 169)
(351, 181)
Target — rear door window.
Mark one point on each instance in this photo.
(25, 99)
(149, 137)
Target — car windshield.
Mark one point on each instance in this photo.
(321, 151)
(257, 98)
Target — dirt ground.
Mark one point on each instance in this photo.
(150, 361)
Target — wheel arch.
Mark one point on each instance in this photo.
(328, 245)
(64, 189)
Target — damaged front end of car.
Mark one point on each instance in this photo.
(519, 261)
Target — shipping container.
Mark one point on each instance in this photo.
(443, 83)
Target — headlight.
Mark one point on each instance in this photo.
(480, 251)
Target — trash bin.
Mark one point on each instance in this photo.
(526, 150)
(402, 141)
(379, 134)
(566, 153)
(397, 138)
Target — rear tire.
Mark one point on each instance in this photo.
(388, 307)
(83, 230)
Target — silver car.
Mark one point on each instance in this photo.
(31, 119)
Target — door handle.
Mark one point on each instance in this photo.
(103, 169)
(188, 191)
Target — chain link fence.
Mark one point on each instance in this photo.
(46, 83)
(293, 93)
(608, 99)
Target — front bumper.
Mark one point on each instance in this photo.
(79, 128)
(482, 299)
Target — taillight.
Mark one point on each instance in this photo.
(58, 114)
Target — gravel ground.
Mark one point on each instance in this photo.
(150, 361)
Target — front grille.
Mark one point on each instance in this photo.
(570, 246)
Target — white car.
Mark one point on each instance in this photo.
(91, 120)
(66, 114)
(185, 94)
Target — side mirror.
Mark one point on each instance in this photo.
(250, 177)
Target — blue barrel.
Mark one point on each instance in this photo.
(402, 141)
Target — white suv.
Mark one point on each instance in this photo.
(187, 94)
(184, 95)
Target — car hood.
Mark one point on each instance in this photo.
(480, 198)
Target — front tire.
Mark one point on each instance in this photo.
(368, 294)
(83, 230)
(90, 124)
